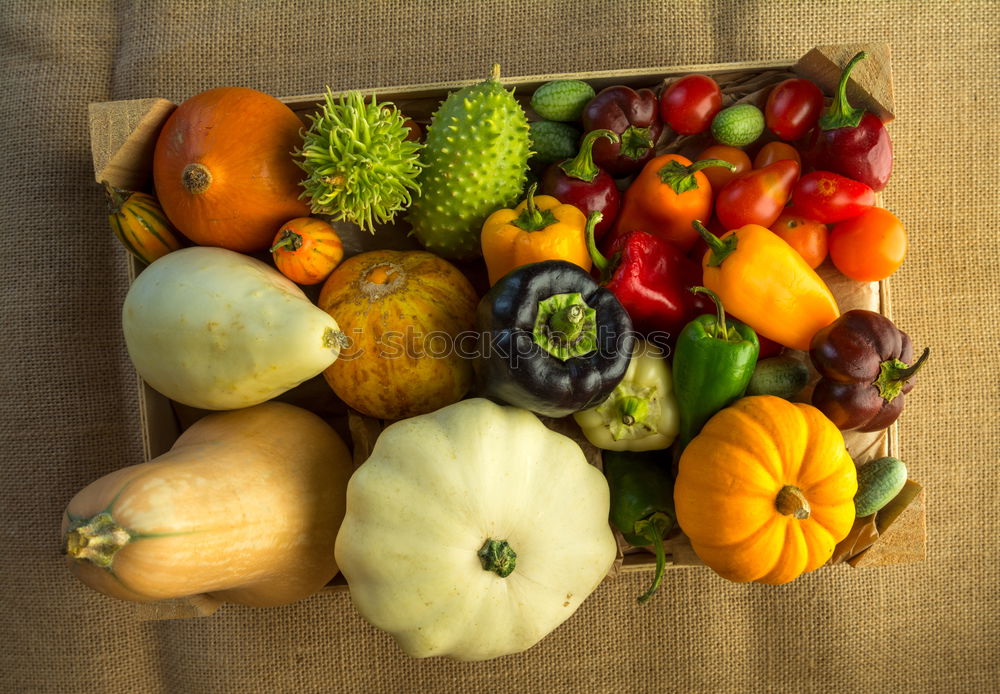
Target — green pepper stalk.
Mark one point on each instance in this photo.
(642, 504)
(713, 362)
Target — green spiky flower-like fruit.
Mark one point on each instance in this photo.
(476, 158)
(360, 167)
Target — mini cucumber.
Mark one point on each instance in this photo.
(561, 100)
(783, 376)
(738, 125)
(551, 141)
(878, 483)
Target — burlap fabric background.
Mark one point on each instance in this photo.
(69, 394)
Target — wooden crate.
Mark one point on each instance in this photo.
(123, 134)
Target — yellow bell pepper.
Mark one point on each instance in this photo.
(539, 228)
(765, 283)
(641, 413)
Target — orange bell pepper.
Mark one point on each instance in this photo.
(666, 197)
(539, 228)
(765, 283)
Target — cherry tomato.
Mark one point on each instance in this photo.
(689, 104)
(828, 197)
(776, 151)
(719, 176)
(793, 107)
(869, 247)
(807, 236)
(757, 197)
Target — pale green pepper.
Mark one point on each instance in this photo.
(641, 413)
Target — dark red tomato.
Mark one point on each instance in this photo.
(793, 108)
(689, 104)
(828, 197)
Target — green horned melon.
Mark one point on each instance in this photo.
(475, 162)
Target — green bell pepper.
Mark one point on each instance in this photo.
(642, 502)
(713, 362)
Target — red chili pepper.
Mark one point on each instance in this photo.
(635, 117)
(583, 184)
(651, 278)
(828, 197)
(852, 141)
(758, 196)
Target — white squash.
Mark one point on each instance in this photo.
(219, 330)
(440, 489)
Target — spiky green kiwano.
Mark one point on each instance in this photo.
(360, 167)
(475, 160)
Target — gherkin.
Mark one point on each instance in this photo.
(475, 161)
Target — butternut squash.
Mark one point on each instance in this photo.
(244, 507)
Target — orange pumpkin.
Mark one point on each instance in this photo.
(306, 250)
(224, 171)
(766, 490)
(404, 314)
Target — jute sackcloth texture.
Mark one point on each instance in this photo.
(68, 405)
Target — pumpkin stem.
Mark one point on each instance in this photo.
(196, 178)
(792, 502)
(498, 557)
(116, 197)
(97, 539)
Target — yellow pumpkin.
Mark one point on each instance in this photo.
(245, 507)
(404, 315)
(766, 490)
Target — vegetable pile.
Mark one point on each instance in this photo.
(636, 267)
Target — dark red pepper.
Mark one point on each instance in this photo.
(852, 141)
(581, 183)
(651, 278)
(863, 362)
(635, 117)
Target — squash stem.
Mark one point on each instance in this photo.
(96, 539)
(498, 557)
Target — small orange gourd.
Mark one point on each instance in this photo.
(306, 250)
(766, 490)
(139, 223)
(224, 170)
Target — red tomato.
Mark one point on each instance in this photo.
(776, 151)
(719, 176)
(689, 104)
(807, 236)
(828, 197)
(793, 107)
(757, 197)
(869, 247)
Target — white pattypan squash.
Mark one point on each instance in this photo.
(474, 531)
(220, 330)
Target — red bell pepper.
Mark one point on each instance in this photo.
(853, 142)
(651, 278)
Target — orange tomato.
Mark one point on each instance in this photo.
(719, 176)
(306, 250)
(807, 236)
(776, 151)
(869, 247)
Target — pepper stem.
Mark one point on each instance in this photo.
(633, 409)
(498, 557)
(720, 248)
(841, 114)
(600, 262)
(565, 326)
(635, 142)
(97, 539)
(582, 166)
(792, 502)
(653, 529)
(680, 177)
(721, 331)
(893, 375)
(533, 219)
